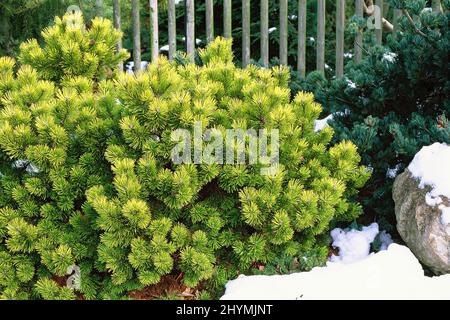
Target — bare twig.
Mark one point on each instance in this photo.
(411, 21)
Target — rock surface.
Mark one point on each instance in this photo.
(420, 225)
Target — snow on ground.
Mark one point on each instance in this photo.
(130, 65)
(322, 123)
(29, 167)
(353, 244)
(164, 48)
(431, 165)
(392, 172)
(394, 273)
(389, 57)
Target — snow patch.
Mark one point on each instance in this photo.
(28, 166)
(385, 239)
(392, 172)
(391, 274)
(351, 84)
(389, 57)
(348, 55)
(445, 217)
(353, 244)
(164, 48)
(322, 123)
(431, 200)
(130, 66)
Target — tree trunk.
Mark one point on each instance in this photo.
(136, 35)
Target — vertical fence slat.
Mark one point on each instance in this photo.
(118, 26)
(359, 12)
(209, 21)
(436, 5)
(154, 38)
(190, 29)
(227, 18)
(283, 32)
(136, 35)
(301, 38)
(378, 14)
(172, 29)
(245, 32)
(320, 61)
(340, 27)
(99, 8)
(265, 32)
(397, 14)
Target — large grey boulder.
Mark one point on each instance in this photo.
(420, 225)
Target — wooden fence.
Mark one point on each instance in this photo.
(361, 7)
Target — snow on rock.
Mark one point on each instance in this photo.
(445, 217)
(391, 274)
(431, 165)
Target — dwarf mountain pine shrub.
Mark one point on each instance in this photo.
(88, 176)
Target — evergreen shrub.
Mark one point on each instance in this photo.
(88, 178)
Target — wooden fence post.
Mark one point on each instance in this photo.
(190, 29)
(99, 12)
(136, 35)
(359, 11)
(118, 26)
(154, 37)
(227, 18)
(265, 32)
(397, 15)
(379, 32)
(436, 5)
(172, 28)
(245, 32)
(209, 21)
(340, 27)
(320, 61)
(284, 32)
(301, 38)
